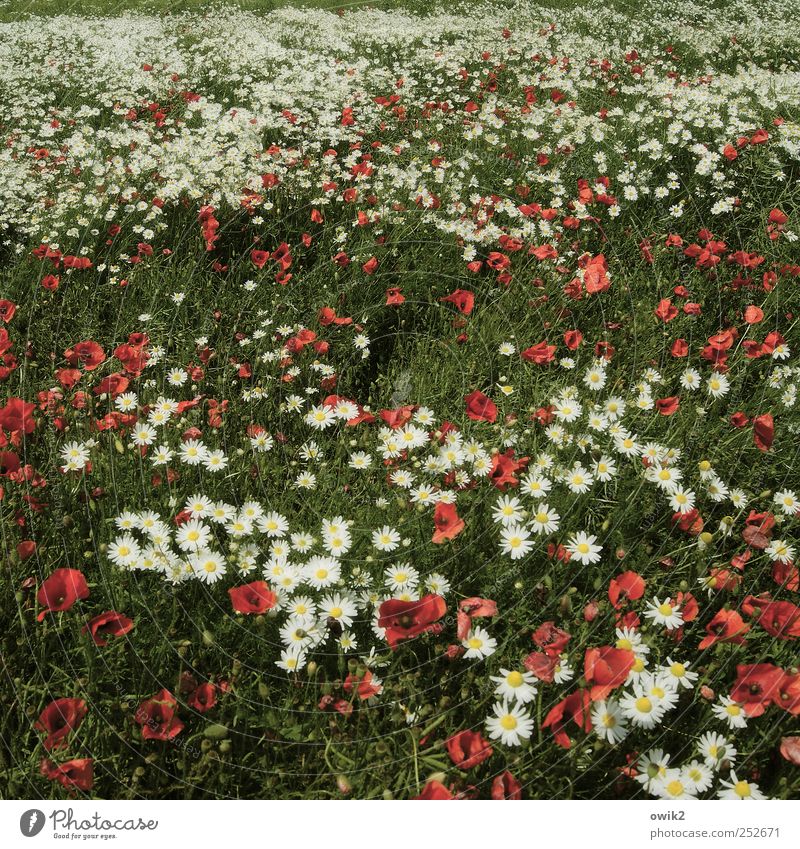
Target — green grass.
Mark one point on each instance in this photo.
(267, 736)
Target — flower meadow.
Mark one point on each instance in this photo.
(401, 403)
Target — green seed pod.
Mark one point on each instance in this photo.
(216, 732)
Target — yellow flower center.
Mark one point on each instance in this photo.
(742, 789)
(509, 722)
(514, 679)
(644, 705)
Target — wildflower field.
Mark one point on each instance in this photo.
(400, 401)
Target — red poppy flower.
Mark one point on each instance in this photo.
(543, 666)
(78, 262)
(606, 668)
(753, 314)
(628, 585)
(203, 697)
(595, 275)
(727, 626)
(87, 354)
(9, 464)
(780, 619)
(497, 260)
(394, 297)
(505, 786)
(110, 622)
(259, 258)
(7, 310)
(468, 749)
(58, 719)
(541, 353)
(790, 749)
(575, 707)
(342, 706)
(756, 686)
(668, 406)
(370, 266)
(17, 416)
(763, 522)
(763, 431)
(68, 377)
(255, 597)
(365, 686)
(404, 619)
(447, 521)
(61, 590)
(679, 348)
(504, 467)
(113, 385)
(157, 718)
(462, 299)
(77, 774)
(25, 549)
(665, 310)
(787, 695)
(132, 355)
(551, 639)
(434, 791)
(480, 408)
(471, 608)
(691, 522)
(786, 575)
(399, 417)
